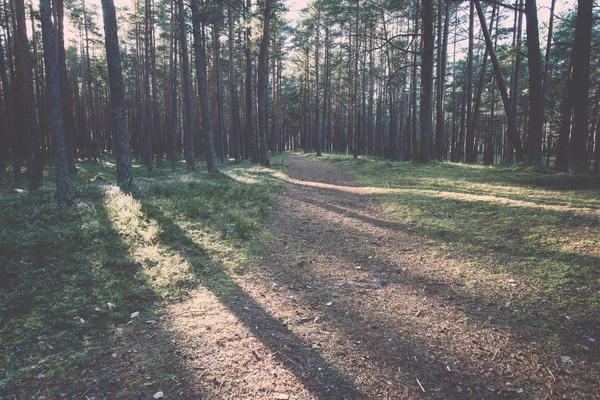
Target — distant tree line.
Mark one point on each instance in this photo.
(462, 81)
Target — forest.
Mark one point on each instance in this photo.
(299, 199)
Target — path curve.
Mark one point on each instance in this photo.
(345, 304)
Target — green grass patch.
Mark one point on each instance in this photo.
(69, 278)
(534, 223)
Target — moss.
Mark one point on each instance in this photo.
(69, 275)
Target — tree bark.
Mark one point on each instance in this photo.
(25, 113)
(536, 95)
(55, 117)
(581, 85)
(263, 83)
(234, 139)
(117, 95)
(254, 154)
(200, 53)
(189, 149)
(425, 109)
(512, 123)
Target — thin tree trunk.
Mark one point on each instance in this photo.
(512, 123)
(25, 112)
(426, 110)
(442, 55)
(469, 151)
(263, 83)
(254, 154)
(189, 149)
(234, 107)
(200, 53)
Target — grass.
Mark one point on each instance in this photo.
(529, 223)
(70, 279)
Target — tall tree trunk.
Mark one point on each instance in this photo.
(482, 76)
(55, 117)
(7, 109)
(200, 53)
(516, 74)
(263, 83)
(469, 151)
(581, 85)
(536, 95)
(117, 95)
(254, 154)
(425, 109)
(326, 94)
(189, 149)
(66, 99)
(155, 106)
(512, 123)
(220, 118)
(25, 113)
(172, 128)
(442, 55)
(234, 107)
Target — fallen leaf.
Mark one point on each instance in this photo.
(135, 314)
(330, 303)
(158, 395)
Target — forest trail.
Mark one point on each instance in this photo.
(344, 304)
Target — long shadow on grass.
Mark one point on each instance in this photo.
(470, 232)
(70, 281)
(458, 237)
(316, 373)
(383, 341)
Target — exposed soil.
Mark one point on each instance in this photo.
(343, 304)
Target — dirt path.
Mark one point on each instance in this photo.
(346, 305)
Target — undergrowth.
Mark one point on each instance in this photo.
(70, 278)
(528, 223)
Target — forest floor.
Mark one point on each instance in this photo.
(324, 279)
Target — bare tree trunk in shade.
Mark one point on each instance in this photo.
(66, 99)
(189, 152)
(220, 119)
(25, 112)
(441, 79)
(263, 83)
(426, 109)
(200, 53)
(173, 132)
(254, 154)
(580, 77)
(326, 88)
(155, 106)
(470, 137)
(508, 109)
(562, 145)
(546, 73)
(55, 117)
(234, 137)
(7, 117)
(514, 91)
(317, 91)
(482, 76)
(117, 95)
(536, 95)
